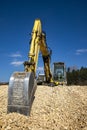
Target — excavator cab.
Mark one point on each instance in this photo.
(59, 72)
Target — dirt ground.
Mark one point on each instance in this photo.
(54, 108)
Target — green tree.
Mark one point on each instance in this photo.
(77, 77)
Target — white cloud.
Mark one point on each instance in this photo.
(80, 51)
(40, 69)
(15, 55)
(16, 63)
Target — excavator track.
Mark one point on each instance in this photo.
(21, 90)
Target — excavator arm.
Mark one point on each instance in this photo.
(38, 43)
(46, 54)
(31, 65)
(22, 85)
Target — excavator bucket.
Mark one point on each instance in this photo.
(21, 90)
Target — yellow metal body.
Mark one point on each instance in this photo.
(37, 44)
(22, 85)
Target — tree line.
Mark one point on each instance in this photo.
(77, 77)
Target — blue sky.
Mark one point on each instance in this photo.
(65, 24)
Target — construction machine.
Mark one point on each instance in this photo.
(59, 73)
(22, 85)
(41, 79)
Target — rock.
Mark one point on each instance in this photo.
(54, 108)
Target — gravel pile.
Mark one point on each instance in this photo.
(54, 108)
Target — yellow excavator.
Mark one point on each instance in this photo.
(22, 85)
